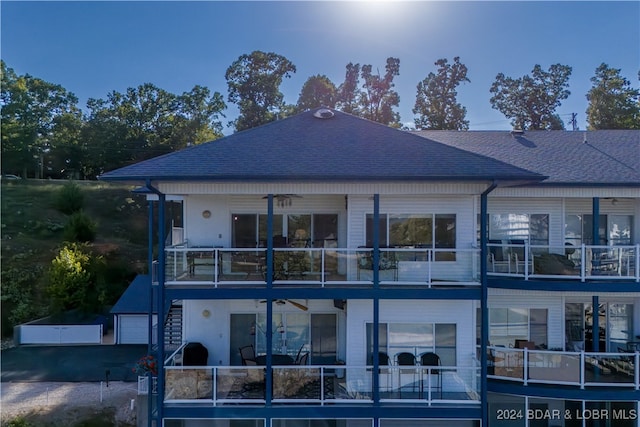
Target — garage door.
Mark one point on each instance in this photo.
(132, 329)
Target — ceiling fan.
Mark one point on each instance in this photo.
(293, 303)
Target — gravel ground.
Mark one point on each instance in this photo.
(67, 402)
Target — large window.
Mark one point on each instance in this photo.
(612, 229)
(432, 231)
(315, 333)
(415, 338)
(506, 325)
(299, 230)
(532, 228)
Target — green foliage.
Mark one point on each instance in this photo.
(20, 299)
(254, 82)
(80, 228)
(32, 234)
(531, 101)
(613, 103)
(73, 279)
(69, 198)
(349, 92)
(317, 91)
(19, 422)
(30, 110)
(436, 100)
(376, 99)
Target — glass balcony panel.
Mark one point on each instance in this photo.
(610, 368)
(240, 383)
(188, 384)
(450, 383)
(553, 366)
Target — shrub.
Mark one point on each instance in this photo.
(69, 199)
(80, 228)
(73, 281)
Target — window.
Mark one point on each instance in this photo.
(432, 231)
(506, 325)
(250, 230)
(313, 332)
(415, 338)
(533, 228)
(612, 229)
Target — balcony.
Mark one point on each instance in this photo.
(577, 369)
(320, 385)
(208, 266)
(579, 263)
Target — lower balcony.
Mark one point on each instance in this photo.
(573, 369)
(320, 385)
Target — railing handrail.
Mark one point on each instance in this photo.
(523, 365)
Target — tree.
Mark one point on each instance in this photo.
(197, 116)
(613, 103)
(531, 101)
(436, 100)
(254, 82)
(378, 97)
(317, 91)
(349, 92)
(73, 282)
(146, 122)
(30, 108)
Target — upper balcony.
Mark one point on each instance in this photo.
(418, 267)
(321, 267)
(518, 259)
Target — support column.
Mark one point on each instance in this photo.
(484, 309)
(269, 303)
(150, 317)
(375, 259)
(160, 304)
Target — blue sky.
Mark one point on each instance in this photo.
(92, 48)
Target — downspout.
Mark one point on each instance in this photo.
(160, 331)
(149, 189)
(269, 335)
(150, 317)
(484, 310)
(595, 331)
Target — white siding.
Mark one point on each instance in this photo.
(461, 313)
(216, 230)
(461, 206)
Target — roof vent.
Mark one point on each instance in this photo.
(323, 113)
(517, 132)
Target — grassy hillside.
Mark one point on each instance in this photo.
(32, 233)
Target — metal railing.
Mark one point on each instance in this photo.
(584, 262)
(581, 369)
(322, 384)
(210, 266)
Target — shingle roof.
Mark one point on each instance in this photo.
(135, 299)
(307, 148)
(608, 157)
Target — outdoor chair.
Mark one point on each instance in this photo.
(432, 359)
(497, 257)
(248, 355)
(406, 359)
